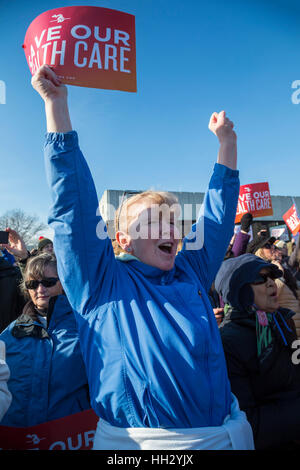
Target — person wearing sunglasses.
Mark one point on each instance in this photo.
(47, 374)
(259, 337)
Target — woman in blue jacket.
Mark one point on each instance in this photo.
(47, 373)
(151, 345)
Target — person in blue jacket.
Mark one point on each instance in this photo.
(47, 374)
(149, 338)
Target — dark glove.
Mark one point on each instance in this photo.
(246, 222)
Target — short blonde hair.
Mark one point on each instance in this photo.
(122, 216)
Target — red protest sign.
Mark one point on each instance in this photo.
(256, 199)
(292, 220)
(86, 46)
(74, 432)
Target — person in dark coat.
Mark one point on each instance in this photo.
(12, 300)
(260, 349)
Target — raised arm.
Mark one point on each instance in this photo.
(222, 127)
(55, 96)
(207, 243)
(84, 256)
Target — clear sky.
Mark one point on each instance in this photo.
(193, 57)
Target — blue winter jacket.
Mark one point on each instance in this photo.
(47, 373)
(149, 337)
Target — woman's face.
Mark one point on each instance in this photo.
(41, 295)
(265, 294)
(154, 235)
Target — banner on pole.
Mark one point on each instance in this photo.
(86, 46)
(256, 199)
(74, 432)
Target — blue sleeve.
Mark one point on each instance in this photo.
(83, 249)
(9, 258)
(206, 245)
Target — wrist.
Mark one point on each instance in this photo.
(57, 115)
(56, 101)
(227, 141)
(228, 153)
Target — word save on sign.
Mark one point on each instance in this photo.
(256, 199)
(292, 220)
(86, 46)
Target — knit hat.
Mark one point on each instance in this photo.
(259, 242)
(43, 242)
(235, 276)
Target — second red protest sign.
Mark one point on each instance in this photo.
(86, 46)
(256, 199)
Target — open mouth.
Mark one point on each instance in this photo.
(273, 294)
(166, 247)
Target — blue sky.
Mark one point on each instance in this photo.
(193, 58)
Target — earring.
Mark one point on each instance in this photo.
(128, 249)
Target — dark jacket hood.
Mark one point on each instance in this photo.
(235, 275)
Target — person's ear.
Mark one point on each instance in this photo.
(124, 241)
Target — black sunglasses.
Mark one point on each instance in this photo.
(48, 282)
(262, 279)
(125, 195)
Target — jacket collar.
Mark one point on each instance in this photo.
(155, 274)
(28, 324)
(148, 271)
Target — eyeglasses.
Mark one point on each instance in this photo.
(262, 279)
(125, 195)
(48, 282)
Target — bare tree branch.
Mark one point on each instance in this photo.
(27, 225)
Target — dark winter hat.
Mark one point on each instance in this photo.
(43, 242)
(235, 276)
(259, 242)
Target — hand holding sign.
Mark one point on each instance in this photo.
(85, 46)
(48, 85)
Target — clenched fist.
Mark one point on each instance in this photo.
(222, 127)
(48, 85)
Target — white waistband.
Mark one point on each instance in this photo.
(235, 433)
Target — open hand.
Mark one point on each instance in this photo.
(16, 245)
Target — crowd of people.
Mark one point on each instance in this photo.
(175, 344)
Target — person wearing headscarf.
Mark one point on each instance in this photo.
(260, 349)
